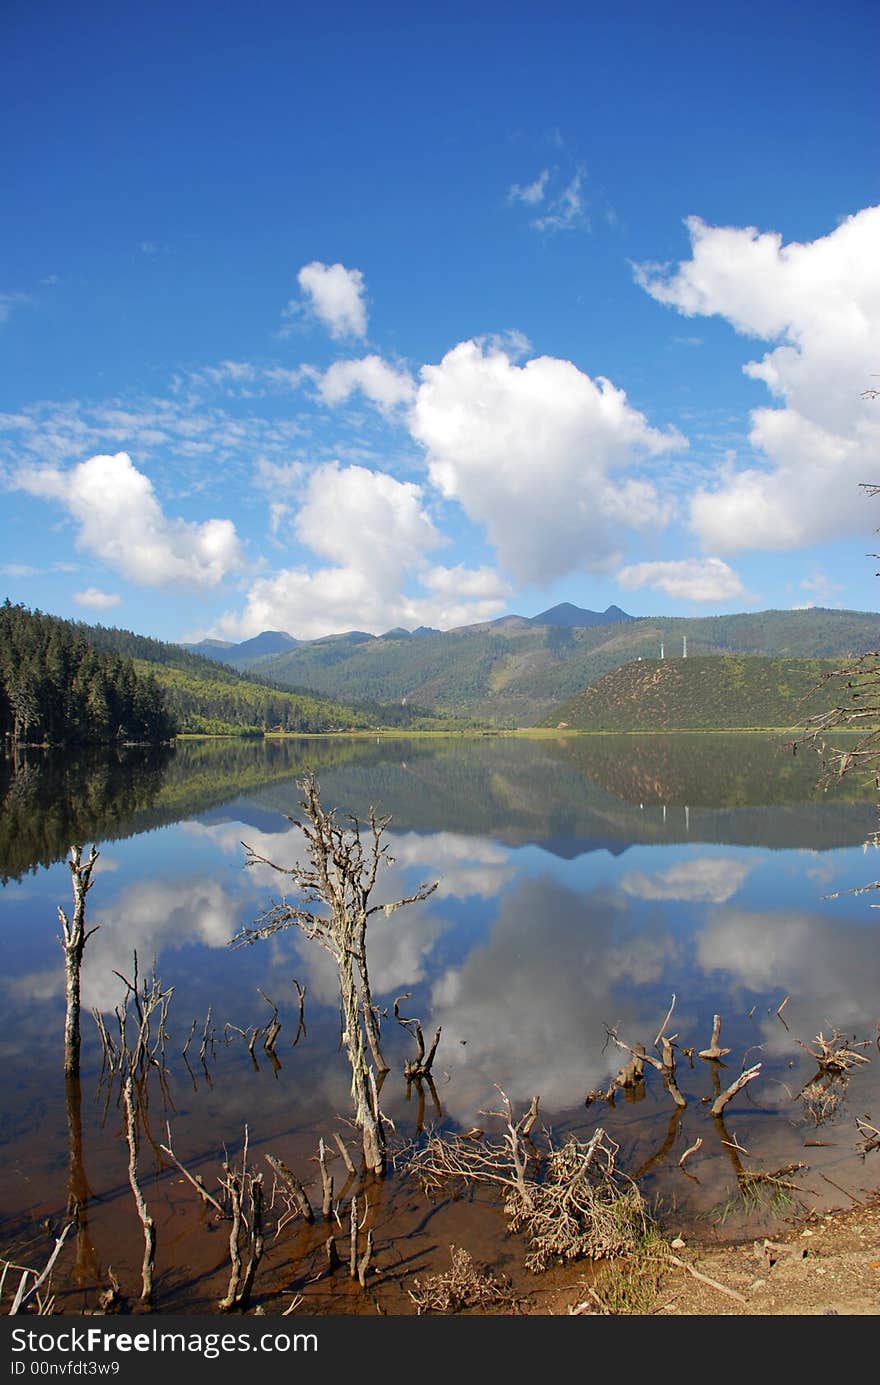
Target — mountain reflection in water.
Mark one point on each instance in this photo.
(583, 882)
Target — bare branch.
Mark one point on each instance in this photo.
(744, 1078)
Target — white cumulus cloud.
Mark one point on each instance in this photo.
(818, 303)
(376, 535)
(336, 296)
(688, 579)
(120, 520)
(366, 520)
(379, 382)
(710, 879)
(461, 581)
(538, 455)
(98, 600)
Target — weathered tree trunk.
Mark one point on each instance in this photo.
(73, 941)
(367, 1116)
(371, 1024)
(146, 1220)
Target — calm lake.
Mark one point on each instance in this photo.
(583, 883)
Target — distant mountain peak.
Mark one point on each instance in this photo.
(566, 614)
(264, 645)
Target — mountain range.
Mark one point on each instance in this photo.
(268, 643)
(517, 670)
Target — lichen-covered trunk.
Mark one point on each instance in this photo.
(367, 1117)
(371, 1024)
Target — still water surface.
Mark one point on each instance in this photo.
(583, 882)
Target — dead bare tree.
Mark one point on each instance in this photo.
(141, 1020)
(340, 875)
(74, 936)
(244, 1193)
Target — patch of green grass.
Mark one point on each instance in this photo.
(629, 1284)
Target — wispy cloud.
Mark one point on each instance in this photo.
(176, 434)
(96, 599)
(530, 193)
(10, 301)
(567, 210)
(18, 570)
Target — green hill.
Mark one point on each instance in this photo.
(66, 682)
(515, 672)
(207, 697)
(211, 697)
(724, 692)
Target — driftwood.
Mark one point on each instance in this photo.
(199, 1186)
(832, 1054)
(691, 1149)
(631, 1077)
(662, 1030)
(704, 1279)
(744, 1078)
(714, 1052)
(870, 1134)
(633, 1072)
(23, 1293)
(289, 1180)
(420, 1066)
(669, 1081)
(346, 1157)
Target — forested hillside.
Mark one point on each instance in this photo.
(64, 681)
(203, 704)
(56, 687)
(516, 672)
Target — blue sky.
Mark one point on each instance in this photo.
(374, 317)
